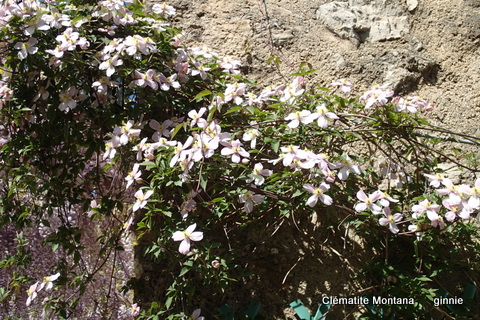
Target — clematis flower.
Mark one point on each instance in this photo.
(368, 202)
(133, 175)
(318, 194)
(346, 166)
(249, 199)
(378, 94)
(196, 315)
(323, 116)
(425, 206)
(258, 174)
(68, 99)
(163, 9)
(126, 131)
(141, 199)
(235, 150)
(135, 310)
(26, 48)
(344, 85)
(252, 134)
(390, 220)
(435, 179)
(235, 92)
(110, 63)
(186, 237)
(197, 117)
(48, 282)
(32, 293)
(296, 117)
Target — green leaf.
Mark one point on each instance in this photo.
(177, 128)
(233, 109)
(184, 271)
(275, 145)
(202, 94)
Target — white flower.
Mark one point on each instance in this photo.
(32, 293)
(141, 199)
(303, 116)
(249, 199)
(318, 194)
(186, 237)
(133, 175)
(258, 174)
(48, 282)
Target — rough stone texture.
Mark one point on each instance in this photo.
(431, 50)
(360, 23)
(428, 48)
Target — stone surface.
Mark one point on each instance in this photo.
(412, 5)
(360, 23)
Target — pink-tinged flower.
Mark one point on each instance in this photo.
(188, 205)
(476, 189)
(249, 199)
(377, 94)
(207, 146)
(167, 83)
(436, 221)
(368, 202)
(163, 8)
(230, 65)
(463, 191)
(236, 150)
(344, 85)
(296, 117)
(252, 134)
(126, 131)
(292, 90)
(454, 206)
(161, 129)
(68, 99)
(136, 43)
(32, 293)
(109, 64)
(197, 117)
(385, 199)
(200, 70)
(47, 282)
(346, 166)
(410, 104)
(292, 152)
(323, 116)
(102, 85)
(186, 237)
(435, 179)
(216, 264)
(449, 187)
(318, 194)
(390, 220)
(180, 151)
(270, 91)
(145, 79)
(258, 174)
(425, 206)
(196, 315)
(26, 48)
(141, 199)
(110, 146)
(133, 175)
(134, 310)
(235, 92)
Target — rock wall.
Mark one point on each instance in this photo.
(427, 48)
